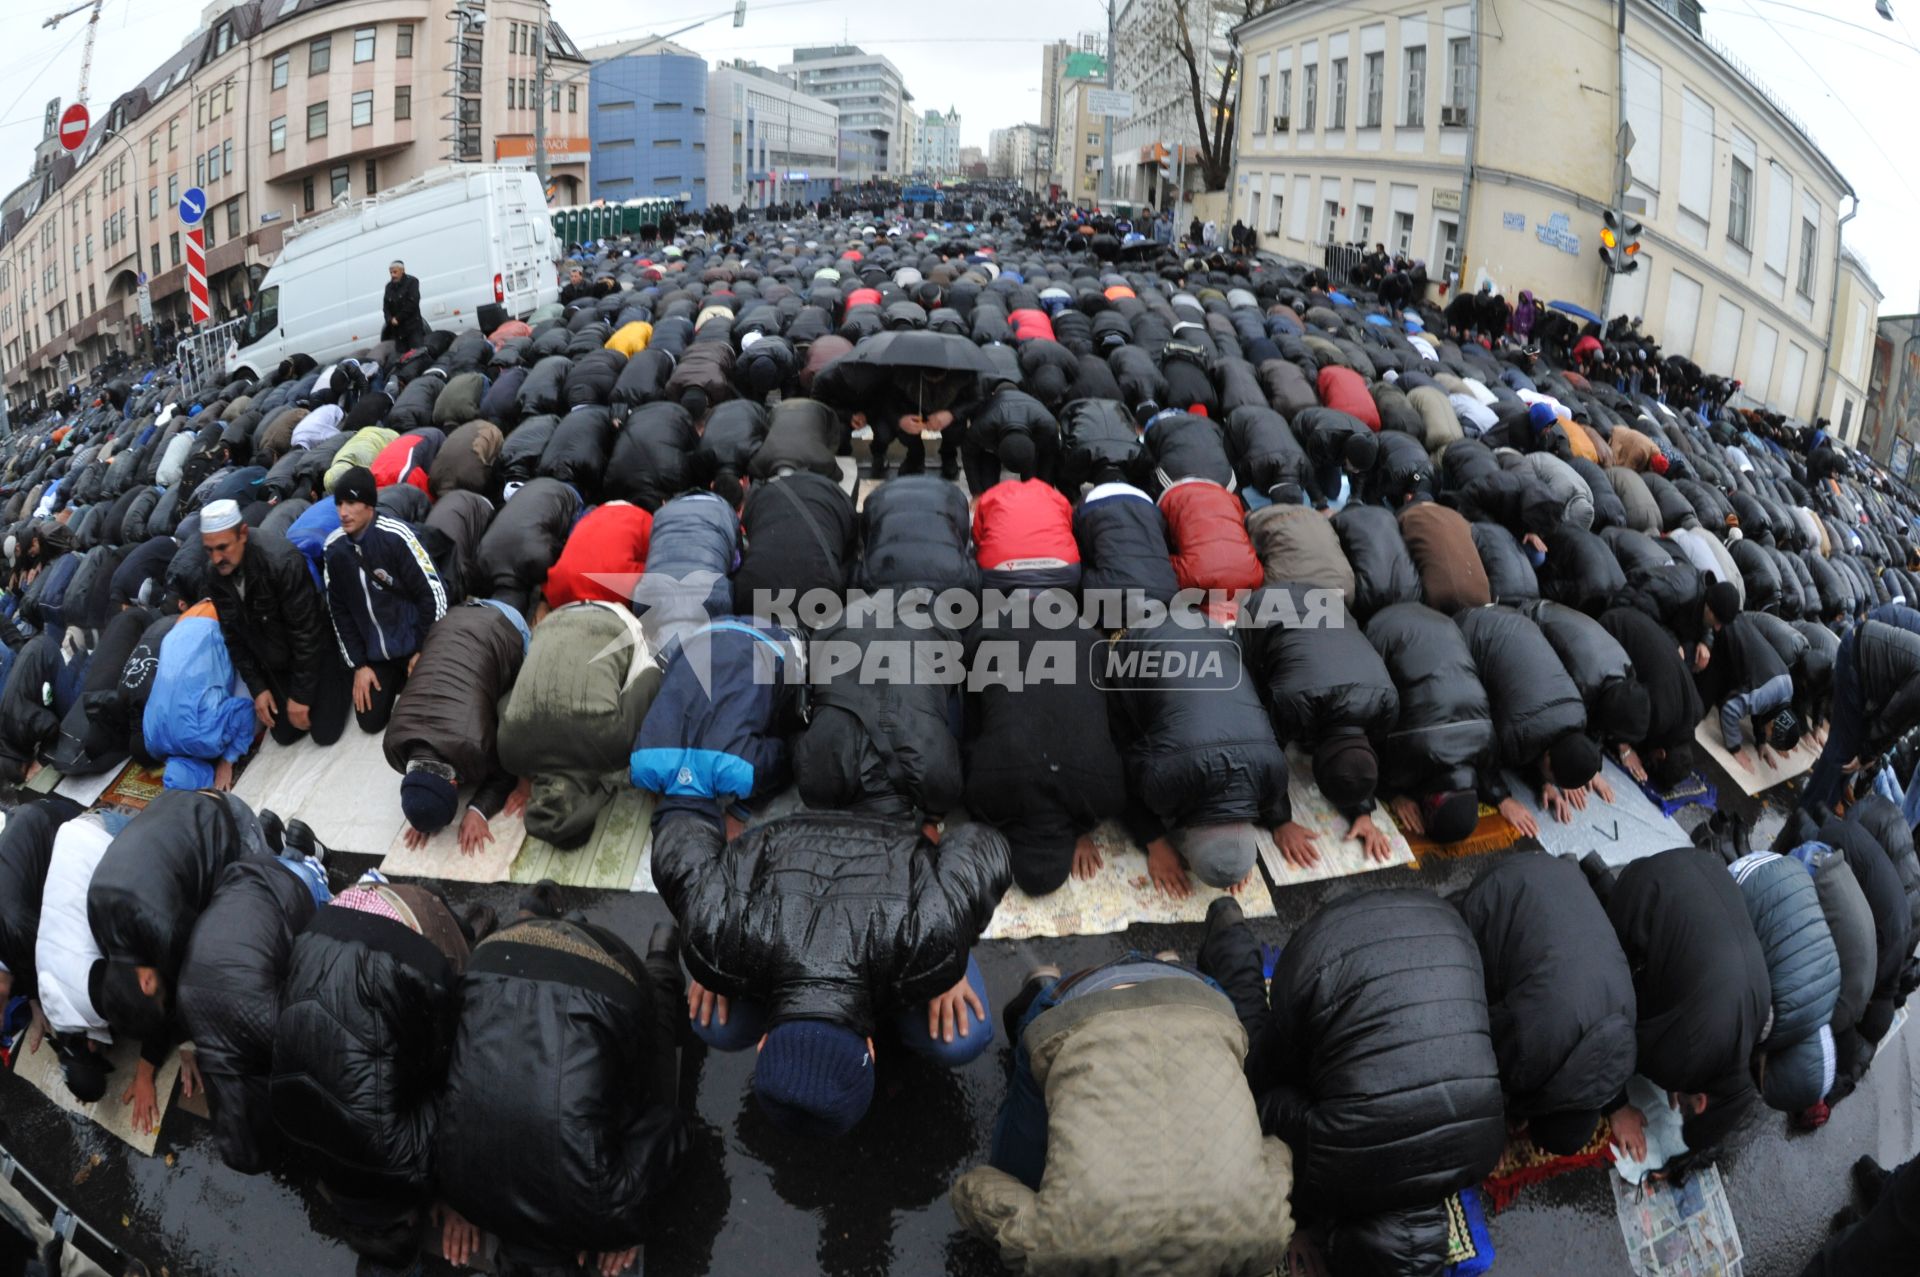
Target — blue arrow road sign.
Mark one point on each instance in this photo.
(193, 206)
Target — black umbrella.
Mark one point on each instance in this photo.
(912, 350)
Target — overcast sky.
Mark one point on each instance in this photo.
(1849, 74)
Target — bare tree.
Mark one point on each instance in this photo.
(1212, 64)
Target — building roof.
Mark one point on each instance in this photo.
(652, 46)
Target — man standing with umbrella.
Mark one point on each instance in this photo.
(908, 385)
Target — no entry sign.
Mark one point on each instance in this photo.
(73, 126)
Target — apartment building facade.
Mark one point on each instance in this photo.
(275, 109)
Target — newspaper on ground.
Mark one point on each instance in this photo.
(1684, 1231)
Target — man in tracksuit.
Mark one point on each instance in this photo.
(1748, 678)
(383, 592)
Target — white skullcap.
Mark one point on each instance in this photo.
(220, 516)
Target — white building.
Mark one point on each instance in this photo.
(869, 92)
(1403, 125)
(936, 145)
(767, 142)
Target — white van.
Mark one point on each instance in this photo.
(471, 235)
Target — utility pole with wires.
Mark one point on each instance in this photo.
(93, 29)
(1106, 131)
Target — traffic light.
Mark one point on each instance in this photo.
(1619, 242)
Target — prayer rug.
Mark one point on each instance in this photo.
(1340, 856)
(442, 858)
(1624, 830)
(614, 857)
(345, 791)
(136, 787)
(41, 1069)
(1694, 791)
(1469, 1248)
(1523, 1164)
(1490, 833)
(1118, 895)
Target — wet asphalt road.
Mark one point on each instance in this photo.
(751, 1200)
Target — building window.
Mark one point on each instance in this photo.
(153, 202)
(1337, 87)
(1459, 69)
(306, 195)
(1740, 203)
(316, 121)
(320, 55)
(1309, 96)
(403, 102)
(233, 218)
(226, 91)
(554, 105)
(1261, 116)
(226, 156)
(1415, 115)
(199, 170)
(223, 37)
(213, 165)
(173, 134)
(362, 108)
(1374, 86)
(173, 189)
(89, 248)
(1809, 241)
(573, 99)
(153, 148)
(1330, 219)
(277, 136)
(1362, 223)
(403, 41)
(339, 182)
(373, 177)
(363, 44)
(1403, 233)
(200, 112)
(211, 239)
(1273, 213)
(173, 248)
(155, 249)
(1286, 95)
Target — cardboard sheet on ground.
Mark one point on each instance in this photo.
(1339, 854)
(1763, 775)
(41, 1069)
(614, 857)
(442, 858)
(86, 790)
(1115, 898)
(1622, 831)
(345, 791)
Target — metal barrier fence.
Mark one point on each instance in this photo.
(202, 354)
(1342, 259)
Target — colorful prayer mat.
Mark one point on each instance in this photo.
(1523, 1164)
(1491, 833)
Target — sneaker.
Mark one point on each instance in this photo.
(299, 840)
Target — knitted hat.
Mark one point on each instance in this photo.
(428, 799)
(1659, 463)
(1575, 758)
(357, 485)
(1450, 817)
(1724, 598)
(1345, 769)
(1018, 455)
(1362, 449)
(813, 1077)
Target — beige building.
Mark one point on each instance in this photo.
(1493, 159)
(274, 108)
(1849, 365)
(1079, 136)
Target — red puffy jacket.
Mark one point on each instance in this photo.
(1030, 325)
(1207, 532)
(1028, 520)
(861, 297)
(1345, 389)
(604, 557)
(407, 459)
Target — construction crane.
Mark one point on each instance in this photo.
(93, 29)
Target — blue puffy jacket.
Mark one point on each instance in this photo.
(309, 535)
(1803, 966)
(714, 728)
(198, 710)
